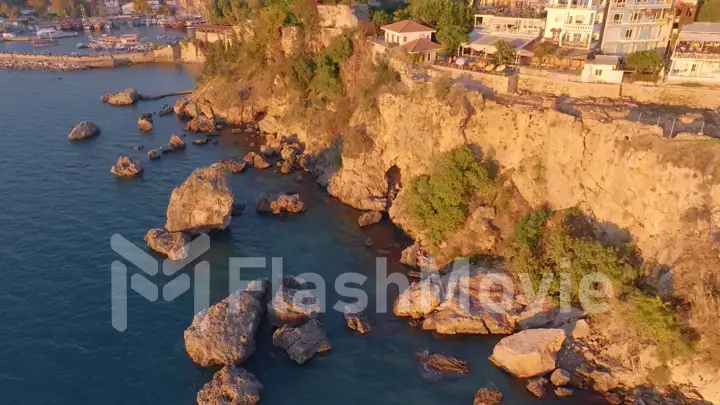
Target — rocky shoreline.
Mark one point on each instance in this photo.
(42, 65)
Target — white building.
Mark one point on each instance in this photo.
(602, 69)
(112, 7)
(696, 57)
(638, 25)
(574, 23)
(415, 38)
(128, 8)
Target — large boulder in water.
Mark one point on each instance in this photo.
(231, 386)
(126, 167)
(224, 334)
(171, 244)
(202, 203)
(369, 218)
(125, 97)
(233, 164)
(145, 123)
(436, 365)
(488, 396)
(256, 160)
(303, 342)
(292, 304)
(529, 353)
(84, 130)
(176, 142)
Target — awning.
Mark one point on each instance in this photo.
(484, 42)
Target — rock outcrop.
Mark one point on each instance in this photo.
(488, 396)
(145, 123)
(202, 203)
(463, 309)
(560, 377)
(277, 204)
(125, 97)
(256, 160)
(200, 123)
(537, 386)
(176, 142)
(154, 154)
(420, 299)
(291, 304)
(224, 334)
(369, 218)
(126, 167)
(231, 386)
(529, 353)
(303, 342)
(84, 130)
(356, 319)
(171, 244)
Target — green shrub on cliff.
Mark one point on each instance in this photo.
(438, 203)
(655, 323)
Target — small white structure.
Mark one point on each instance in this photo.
(696, 57)
(415, 38)
(602, 69)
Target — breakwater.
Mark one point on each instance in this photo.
(42, 65)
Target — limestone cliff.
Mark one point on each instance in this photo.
(660, 193)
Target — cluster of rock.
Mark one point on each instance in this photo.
(125, 97)
(175, 143)
(279, 203)
(201, 114)
(225, 333)
(145, 122)
(84, 130)
(288, 149)
(42, 65)
(126, 167)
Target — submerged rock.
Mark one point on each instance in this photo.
(287, 167)
(83, 130)
(165, 110)
(303, 342)
(154, 153)
(202, 141)
(420, 299)
(125, 97)
(233, 164)
(138, 148)
(537, 386)
(488, 396)
(369, 218)
(126, 167)
(231, 386)
(171, 244)
(441, 363)
(202, 203)
(529, 353)
(356, 319)
(224, 334)
(561, 392)
(279, 203)
(238, 209)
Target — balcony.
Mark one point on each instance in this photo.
(575, 5)
(578, 27)
(650, 4)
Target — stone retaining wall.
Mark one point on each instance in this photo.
(487, 83)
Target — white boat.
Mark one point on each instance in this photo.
(53, 33)
(8, 35)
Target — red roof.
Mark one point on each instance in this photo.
(421, 45)
(407, 26)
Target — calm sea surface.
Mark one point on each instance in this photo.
(60, 207)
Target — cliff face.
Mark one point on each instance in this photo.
(662, 194)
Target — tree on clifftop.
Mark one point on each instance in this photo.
(504, 53)
(709, 11)
(451, 18)
(142, 6)
(648, 62)
(9, 11)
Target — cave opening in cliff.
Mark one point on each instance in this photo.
(393, 177)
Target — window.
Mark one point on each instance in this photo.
(598, 72)
(617, 18)
(404, 39)
(635, 16)
(576, 38)
(628, 34)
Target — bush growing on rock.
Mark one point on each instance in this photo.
(438, 203)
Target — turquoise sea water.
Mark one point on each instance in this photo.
(60, 206)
